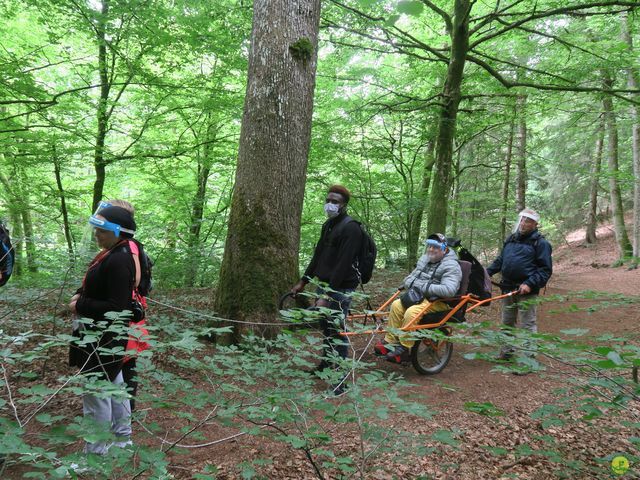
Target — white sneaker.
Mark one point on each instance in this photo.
(126, 444)
(79, 469)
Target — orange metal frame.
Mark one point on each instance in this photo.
(414, 325)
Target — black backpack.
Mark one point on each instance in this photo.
(366, 259)
(6, 255)
(479, 280)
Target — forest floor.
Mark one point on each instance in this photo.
(576, 268)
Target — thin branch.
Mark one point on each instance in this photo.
(445, 16)
(524, 67)
(550, 13)
(11, 402)
(557, 88)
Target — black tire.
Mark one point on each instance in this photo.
(431, 356)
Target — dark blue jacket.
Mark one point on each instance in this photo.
(524, 260)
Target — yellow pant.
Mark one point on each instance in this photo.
(399, 317)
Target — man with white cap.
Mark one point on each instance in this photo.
(526, 266)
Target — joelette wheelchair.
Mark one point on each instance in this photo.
(429, 354)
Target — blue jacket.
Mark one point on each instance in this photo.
(524, 260)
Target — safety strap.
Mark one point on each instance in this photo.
(135, 252)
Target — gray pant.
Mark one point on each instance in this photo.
(114, 414)
(512, 307)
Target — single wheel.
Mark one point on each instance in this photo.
(430, 356)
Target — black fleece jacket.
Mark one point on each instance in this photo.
(339, 244)
(107, 288)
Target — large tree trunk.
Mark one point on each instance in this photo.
(617, 211)
(102, 115)
(592, 219)
(261, 252)
(634, 83)
(521, 181)
(505, 186)
(439, 202)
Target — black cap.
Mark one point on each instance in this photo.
(119, 216)
(438, 237)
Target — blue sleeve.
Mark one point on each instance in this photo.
(496, 265)
(544, 267)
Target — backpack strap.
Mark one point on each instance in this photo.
(135, 254)
(338, 227)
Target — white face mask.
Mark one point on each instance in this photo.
(331, 209)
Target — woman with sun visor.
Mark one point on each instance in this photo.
(107, 287)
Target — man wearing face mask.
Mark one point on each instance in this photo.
(437, 275)
(332, 263)
(526, 266)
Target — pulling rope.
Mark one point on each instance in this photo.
(213, 317)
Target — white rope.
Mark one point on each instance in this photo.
(213, 317)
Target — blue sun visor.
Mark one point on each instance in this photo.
(435, 243)
(105, 225)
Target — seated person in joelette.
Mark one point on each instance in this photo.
(437, 275)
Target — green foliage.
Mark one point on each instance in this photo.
(483, 408)
(410, 7)
(257, 388)
(176, 84)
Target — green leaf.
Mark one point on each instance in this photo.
(485, 408)
(391, 21)
(446, 437)
(603, 350)
(496, 450)
(410, 7)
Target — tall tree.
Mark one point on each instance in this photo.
(594, 178)
(521, 171)
(505, 185)
(634, 83)
(261, 252)
(617, 211)
(451, 96)
(63, 200)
